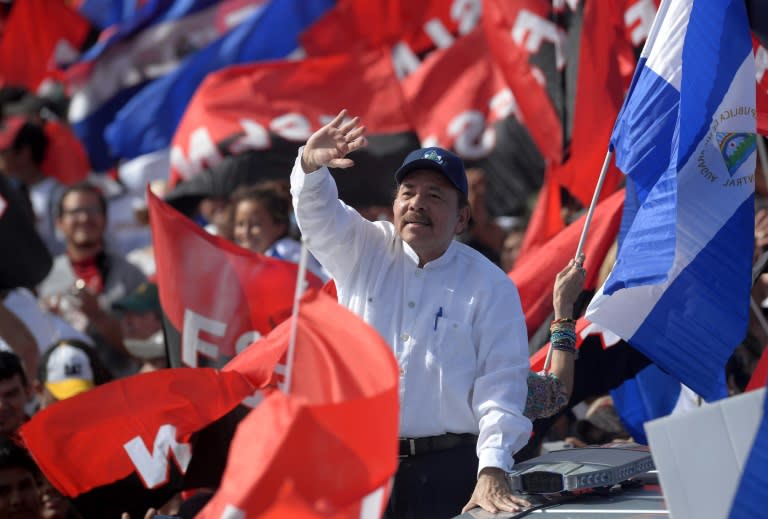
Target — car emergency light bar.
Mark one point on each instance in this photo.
(575, 469)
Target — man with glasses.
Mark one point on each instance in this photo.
(87, 279)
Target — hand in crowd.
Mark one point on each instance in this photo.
(330, 145)
(492, 493)
(568, 285)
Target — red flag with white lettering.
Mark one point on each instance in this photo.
(474, 113)
(216, 297)
(275, 106)
(515, 31)
(413, 28)
(598, 57)
(35, 35)
(343, 370)
(126, 445)
(534, 274)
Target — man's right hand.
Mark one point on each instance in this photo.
(330, 145)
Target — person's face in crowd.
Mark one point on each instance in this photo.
(54, 506)
(82, 221)
(426, 213)
(218, 212)
(255, 229)
(510, 249)
(19, 495)
(13, 397)
(140, 325)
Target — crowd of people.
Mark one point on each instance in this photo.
(429, 274)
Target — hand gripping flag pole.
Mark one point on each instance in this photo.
(587, 221)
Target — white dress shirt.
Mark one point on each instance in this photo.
(456, 326)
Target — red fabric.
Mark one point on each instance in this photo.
(599, 96)
(32, 32)
(760, 375)
(372, 24)
(546, 220)
(469, 82)
(340, 417)
(534, 274)
(89, 431)
(65, 159)
(88, 270)
(512, 58)
(216, 279)
(330, 289)
(243, 105)
(761, 58)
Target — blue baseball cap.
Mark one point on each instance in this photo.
(436, 159)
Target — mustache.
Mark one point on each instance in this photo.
(423, 220)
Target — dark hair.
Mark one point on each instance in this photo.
(13, 456)
(81, 187)
(10, 365)
(271, 194)
(32, 137)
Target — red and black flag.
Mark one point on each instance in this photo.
(594, 50)
(459, 100)
(126, 446)
(273, 107)
(216, 297)
(284, 451)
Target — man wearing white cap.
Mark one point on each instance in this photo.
(67, 369)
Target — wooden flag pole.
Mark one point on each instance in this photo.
(301, 284)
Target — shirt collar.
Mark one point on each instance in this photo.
(436, 263)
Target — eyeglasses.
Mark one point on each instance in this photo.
(87, 211)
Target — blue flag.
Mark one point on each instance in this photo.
(652, 394)
(752, 493)
(685, 138)
(147, 123)
(145, 46)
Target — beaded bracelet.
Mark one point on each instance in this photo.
(566, 346)
(564, 320)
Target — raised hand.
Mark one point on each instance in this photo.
(330, 145)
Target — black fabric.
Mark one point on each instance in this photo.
(433, 486)
(419, 446)
(30, 260)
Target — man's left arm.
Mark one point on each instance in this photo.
(499, 395)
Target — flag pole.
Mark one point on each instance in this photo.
(587, 221)
(595, 197)
(300, 286)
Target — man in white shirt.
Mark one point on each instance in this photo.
(453, 319)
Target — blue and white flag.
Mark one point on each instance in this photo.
(685, 138)
(652, 394)
(146, 46)
(147, 123)
(752, 492)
